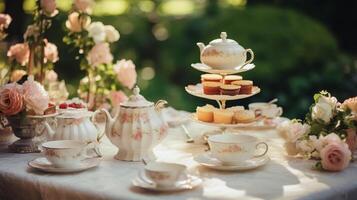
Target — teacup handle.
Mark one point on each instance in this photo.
(251, 56)
(280, 112)
(265, 151)
(91, 146)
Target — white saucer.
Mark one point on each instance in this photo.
(190, 183)
(208, 161)
(238, 69)
(43, 164)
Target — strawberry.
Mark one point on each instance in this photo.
(63, 106)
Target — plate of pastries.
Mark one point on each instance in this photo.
(229, 117)
(217, 87)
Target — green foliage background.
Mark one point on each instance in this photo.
(295, 55)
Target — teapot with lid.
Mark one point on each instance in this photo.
(224, 53)
(136, 128)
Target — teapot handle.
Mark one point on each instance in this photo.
(251, 56)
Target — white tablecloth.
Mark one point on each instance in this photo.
(282, 178)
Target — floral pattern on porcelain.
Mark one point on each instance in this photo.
(231, 149)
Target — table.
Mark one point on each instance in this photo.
(282, 178)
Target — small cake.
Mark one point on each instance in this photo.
(211, 88)
(51, 109)
(211, 78)
(221, 116)
(205, 113)
(244, 116)
(246, 86)
(230, 78)
(236, 108)
(230, 90)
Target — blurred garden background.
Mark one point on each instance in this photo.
(301, 47)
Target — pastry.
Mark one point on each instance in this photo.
(244, 116)
(211, 88)
(236, 108)
(230, 90)
(205, 113)
(246, 86)
(221, 116)
(211, 78)
(51, 109)
(230, 78)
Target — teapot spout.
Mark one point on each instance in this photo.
(201, 46)
(49, 131)
(109, 122)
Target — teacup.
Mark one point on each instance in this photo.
(164, 174)
(67, 153)
(234, 149)
(266, 109)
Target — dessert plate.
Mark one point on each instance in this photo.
(197, 90)
(238, 69)
(208, 161)
(188, 184)
(44, 165)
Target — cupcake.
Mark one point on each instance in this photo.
(211, 88)
(230, 78)
(244, 116)
(211, 78)
(246, 86)
(205, 113)
(230, 90)
(221, 116)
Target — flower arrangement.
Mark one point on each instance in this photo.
(29, 98)
(36, 52)
(328, 133)
(92, 40)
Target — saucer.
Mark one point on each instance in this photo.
(234, 70)
(208, 161)
(44, 165)
(190, 183)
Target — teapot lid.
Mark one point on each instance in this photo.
(136, 100)
(223, 41)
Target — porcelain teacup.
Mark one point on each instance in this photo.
(266, 109)
(164, 174)
(233, 149)
(67, 153)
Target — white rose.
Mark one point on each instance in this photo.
(96, 30)
(332, 101)
(292, 131)
(112, 33)
(322, 111)
(305, 146)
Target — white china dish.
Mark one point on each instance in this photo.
(42, 164)
(233, 149)
(268, 110)
(207, 160)
(238, 69)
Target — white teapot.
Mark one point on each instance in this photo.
(224, 53)
(136, 128)
(74, 125)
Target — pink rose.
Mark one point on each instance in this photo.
(11, 102)
(83, 5)
(99, 54)
(76, 24)
(117, 97)
(20, 52)
(351, 139)
(35, 96)
(49, 7)
(5, 21)
(335, 156)
(51, 52)
(126, 73)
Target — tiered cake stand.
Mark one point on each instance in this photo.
(197, 90)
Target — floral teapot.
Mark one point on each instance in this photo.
(137, 127)
(74, 125)
(224, 53)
